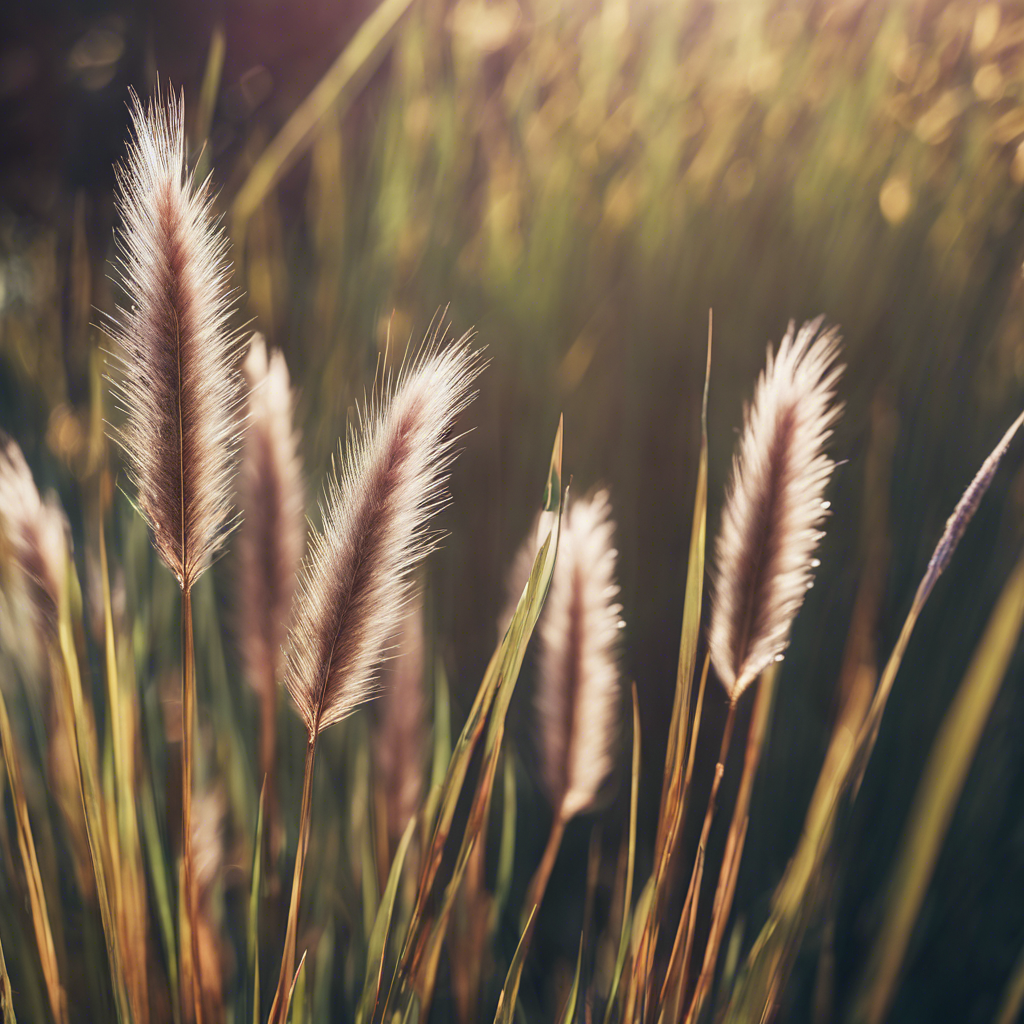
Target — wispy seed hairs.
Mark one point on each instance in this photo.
(775, 506)
(174, 354)
(355, 579)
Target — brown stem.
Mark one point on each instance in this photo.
(539, 882)
(723, 754)
(279, 1007)
(188, 712)
(726, 888)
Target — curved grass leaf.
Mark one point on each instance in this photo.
(506, 847)
(937, 795)
(510, 991)
(423, 942)
(377, 946)
(568, 1014)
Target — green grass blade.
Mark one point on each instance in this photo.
(690, 631)
(377, 946)
(568, 1014)
(499, 679)
(497, 688)
(1013, 996)
(6, 997)
(937, 795)
(335, 90)
(253, 930)
(627, 898)
(159, 878)
(33, 879)
(86, 762)
(506, 846)
(442, 742)
(295, 1008)
(510, 991)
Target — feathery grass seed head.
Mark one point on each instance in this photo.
(774, 508)
(175, 356)
(578, 672)
(376, 510)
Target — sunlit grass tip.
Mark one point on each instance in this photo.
(356, 577)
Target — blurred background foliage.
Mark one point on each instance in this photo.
(581, 180)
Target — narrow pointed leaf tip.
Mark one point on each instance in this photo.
(578, 677)
(174, 363)
(355, 581)
(774, 509)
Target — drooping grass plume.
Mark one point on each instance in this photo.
(578, 673)
(356, 577)
(271, 538)
(178, 384)
(400, 737)
(774, 509)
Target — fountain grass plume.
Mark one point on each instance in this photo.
(174, 360)
(578, 673)
(774, 509)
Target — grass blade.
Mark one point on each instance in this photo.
(33, 878)
(510, 991)
(253, 932)
(160, 880)
(1013, 996)
(6, 998)
(627, 897)
(937, 795)
(377, 946)
(506, 847)
(295, 1005)
(568, 1014)
(442, 743)
(675, 783)
(496, 687)
(335, 90)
